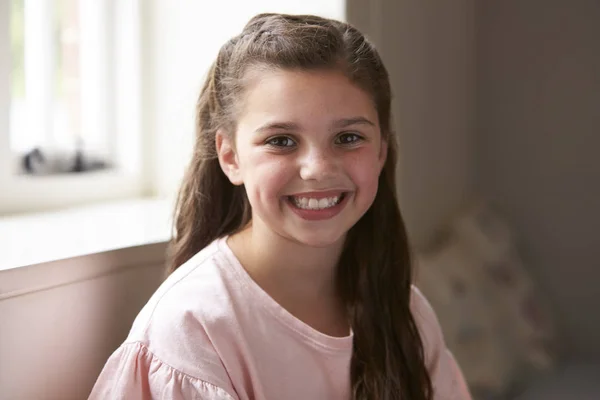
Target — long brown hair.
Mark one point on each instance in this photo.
(374, 272)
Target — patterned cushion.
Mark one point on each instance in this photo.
(494, 318)
(449, 279)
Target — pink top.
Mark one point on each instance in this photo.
(210, 332)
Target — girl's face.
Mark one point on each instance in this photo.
(308, 150)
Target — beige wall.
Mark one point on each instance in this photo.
(538, 144)
(428, 48)
(60, 321)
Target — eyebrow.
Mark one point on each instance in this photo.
(345, 122)
(291, 126)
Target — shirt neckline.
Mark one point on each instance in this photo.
(316, 338)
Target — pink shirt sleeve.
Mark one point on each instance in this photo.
(446, 377)
(134, 373)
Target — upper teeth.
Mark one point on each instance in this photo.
(315, 204)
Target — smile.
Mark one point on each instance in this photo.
(311, 203)
(318, 206)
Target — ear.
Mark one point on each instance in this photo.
(228, 158)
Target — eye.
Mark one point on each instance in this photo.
(281, 141)
(348, 138)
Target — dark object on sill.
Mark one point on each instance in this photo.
(38, 162)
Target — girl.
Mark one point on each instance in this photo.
(290, 274)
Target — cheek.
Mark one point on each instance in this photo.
(266, 176)
(364, 171)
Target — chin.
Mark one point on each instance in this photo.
(319, 240)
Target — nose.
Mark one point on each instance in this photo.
(319, 165)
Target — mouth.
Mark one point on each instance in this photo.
(316, 203)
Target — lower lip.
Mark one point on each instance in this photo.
(318, 215)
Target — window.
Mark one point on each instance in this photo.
(70, 85)
(117, 78)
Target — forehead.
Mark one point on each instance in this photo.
(318, 96)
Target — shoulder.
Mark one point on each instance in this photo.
(428, 325)
(424, 314)
(195, 292)
(446, 376)
(177, 322)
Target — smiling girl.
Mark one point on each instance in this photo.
(291, 273)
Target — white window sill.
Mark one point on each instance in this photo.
(50, 236)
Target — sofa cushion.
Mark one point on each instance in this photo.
(455, 287)
(524, 307)
(495, 320)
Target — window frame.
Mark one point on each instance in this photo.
(21, 193)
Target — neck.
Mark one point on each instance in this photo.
(310, 270)
(301, 279)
